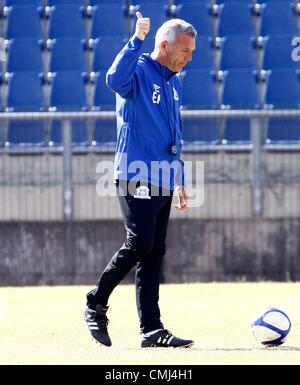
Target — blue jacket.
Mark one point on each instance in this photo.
(148, 98)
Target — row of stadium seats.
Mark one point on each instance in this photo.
(37, 134)
(41, 134)
(26, 92)
(126, 3)
(57, 59)
(236, 89)
(241, 90)
(279, 131)
(236, 18)
(69, 54)
(283, 89)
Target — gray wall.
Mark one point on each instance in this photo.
(198, 250)
(218, 241)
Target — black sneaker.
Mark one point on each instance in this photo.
(97, 323)
(164, 339)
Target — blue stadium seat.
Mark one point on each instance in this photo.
(203, 57)
(26, 133)
(220, 2)
(278, 17)
(137, 2)
(198, 90)
(277, 53)
(236, 19)
(274, 1)
(78, 3)
(104, 98)
(23, 21)
(238, 52)
(237, 131)
(109, 20)
(105, 51)
(104, 133)
(35, 3)
(177, 2)
(232, 1)
(156, 12)
(122, 4)
(25, 54)
(283, 130)
(283, 89)
(67, 54)
(198, 15)
(25, 92)
(97, 2)
(67, 92)
(79, 133)
(240, 90)
(200, 131)
(66, 21)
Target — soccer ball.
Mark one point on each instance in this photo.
(271, 327)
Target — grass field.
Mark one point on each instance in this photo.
(44, 325)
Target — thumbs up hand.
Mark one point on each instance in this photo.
(142, 27)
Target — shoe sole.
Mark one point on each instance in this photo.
(100, 343)
(174, 347)
(188, 345)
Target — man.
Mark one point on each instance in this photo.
(149, 130)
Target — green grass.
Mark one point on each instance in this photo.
(44, 325)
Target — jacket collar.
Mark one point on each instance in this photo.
(164, 71)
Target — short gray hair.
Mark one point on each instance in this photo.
(172, 28)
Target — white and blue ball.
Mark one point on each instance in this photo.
(271, 327)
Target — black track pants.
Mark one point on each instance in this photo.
(146, 222)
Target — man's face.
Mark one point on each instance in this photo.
(179, 52)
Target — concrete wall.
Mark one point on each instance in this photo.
(38, 253)
(218, 241)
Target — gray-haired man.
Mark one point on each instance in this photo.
(149, 130)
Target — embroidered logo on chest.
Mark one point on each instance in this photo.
(156, 94)
(176, 97)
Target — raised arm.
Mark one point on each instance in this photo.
(120, 75)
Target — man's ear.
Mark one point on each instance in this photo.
(163, 46)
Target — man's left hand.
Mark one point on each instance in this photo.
(182, 198)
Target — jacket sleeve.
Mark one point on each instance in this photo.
(180, 178)
(120, 76)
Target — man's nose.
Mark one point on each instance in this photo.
(189, 56)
